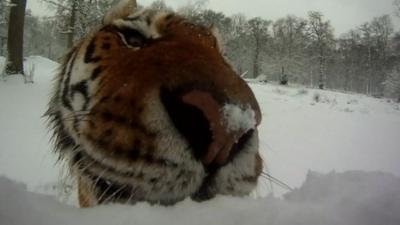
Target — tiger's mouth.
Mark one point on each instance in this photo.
(84, 162)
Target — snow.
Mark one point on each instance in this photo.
(351, 198)
(340, 132)
(302, 130)
(261, 78)
(25, 152)
(238, 118)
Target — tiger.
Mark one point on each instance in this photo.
(146, 108)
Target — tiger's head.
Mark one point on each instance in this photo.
(146, 108)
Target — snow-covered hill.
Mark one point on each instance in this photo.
(302, 130)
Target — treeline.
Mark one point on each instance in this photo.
(306, 51)
(291, 49)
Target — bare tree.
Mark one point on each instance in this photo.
(4, 11)
(193, 8)
(259, 32)
(71, 24)
(376, 39)
(392, 84)
(237, 44)
(288, 47)
(350, 57)
(368, 42)
(160, 5)
(321, 34)
(396, 4)
(16, 36)
(78, 17)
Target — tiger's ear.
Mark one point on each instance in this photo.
(122, 10)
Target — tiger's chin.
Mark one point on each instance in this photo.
(166, 184)
(108, 187)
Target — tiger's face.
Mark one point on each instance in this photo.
(147, 109)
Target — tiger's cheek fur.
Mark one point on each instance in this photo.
(156, 151)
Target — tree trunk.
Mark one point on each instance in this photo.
(321, 84)
(49, 51)
(283, 79)
(256, 66)
(346, 79)
(16, 38)
(72, 20)
(2, 45)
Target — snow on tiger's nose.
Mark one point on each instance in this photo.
(238, 118)
(228, 124)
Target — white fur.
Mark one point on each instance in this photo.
(140, 24)
(241, 166)
(121, 10)
(79, 71)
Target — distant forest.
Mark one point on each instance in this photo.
(291, 49)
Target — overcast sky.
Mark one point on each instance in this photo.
(343, 14)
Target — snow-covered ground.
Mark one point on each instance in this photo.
(25, 152)
(340, 132)
(351, 198)
(302, 130)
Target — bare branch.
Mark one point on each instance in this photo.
(56, 4)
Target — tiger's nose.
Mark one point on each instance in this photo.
(211, 128)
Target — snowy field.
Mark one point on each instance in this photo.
(340, 132)
(303, 130)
